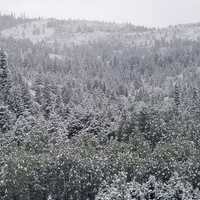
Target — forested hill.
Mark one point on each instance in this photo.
(95, 111)
(9, 21)
(64, 31)
(77, 32)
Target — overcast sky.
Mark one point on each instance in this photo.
(141, 12)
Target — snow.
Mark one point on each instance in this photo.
(35, 31)
(53, 56)
(80, 38)
(198, 70)
(38, 30)
(83, 110)
(180, 76)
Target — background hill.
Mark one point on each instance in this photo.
(66, 31)
(82, 31)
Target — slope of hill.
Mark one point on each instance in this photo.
(9, 21)
(99, 111)
(35, 31)
(68, 31)
(77, 32)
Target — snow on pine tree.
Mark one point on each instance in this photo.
(177, 99)
(15, 102)
(5, 83)
(6, 119)
(23, 126)
(47, 106)
(175, 189)
(38, 87)
(26, 97)
(179, 189)
(56, 130)
(119, 189)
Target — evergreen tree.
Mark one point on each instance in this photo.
(58, 105)
(56, 130)
(150, 186)
(15, 102)
(143, 118)
(66, 94)
(6, 119)
(26, 97)
(23, 126)
(38, 86)
(5, 83)
(47, 105)
(177, 100)
(195, 104)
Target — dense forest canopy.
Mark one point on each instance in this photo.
(98, 111)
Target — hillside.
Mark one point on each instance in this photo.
(9, 21)
(77, 32)
(92, 111)
(68, 31)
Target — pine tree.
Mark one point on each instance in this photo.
(66, 94)
(38, 85)
(15, 102)
(26, 97)
(47, 106)
(58, 103)
(195, 104)
(151, 189)
(56, 129)
(142, 120)
(6, 120)
(5, 83)
(177, 100)
(23, 126)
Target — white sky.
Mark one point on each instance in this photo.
(140, 12)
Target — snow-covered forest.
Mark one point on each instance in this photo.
(98, 111)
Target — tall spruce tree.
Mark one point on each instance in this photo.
(26, 97)
(15, 102)
(6, 119)
(47, 101)
(5, 83)
(177, 100)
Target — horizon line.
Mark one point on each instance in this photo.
(27, 16)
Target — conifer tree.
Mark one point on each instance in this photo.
(38, 85)
(15, 102)
(26, 97)
(177, 100)
(142, 120)
(47, 101)
(23, 126)
(5, 83)
(195, 106)
(5, 119)
(58, 103)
